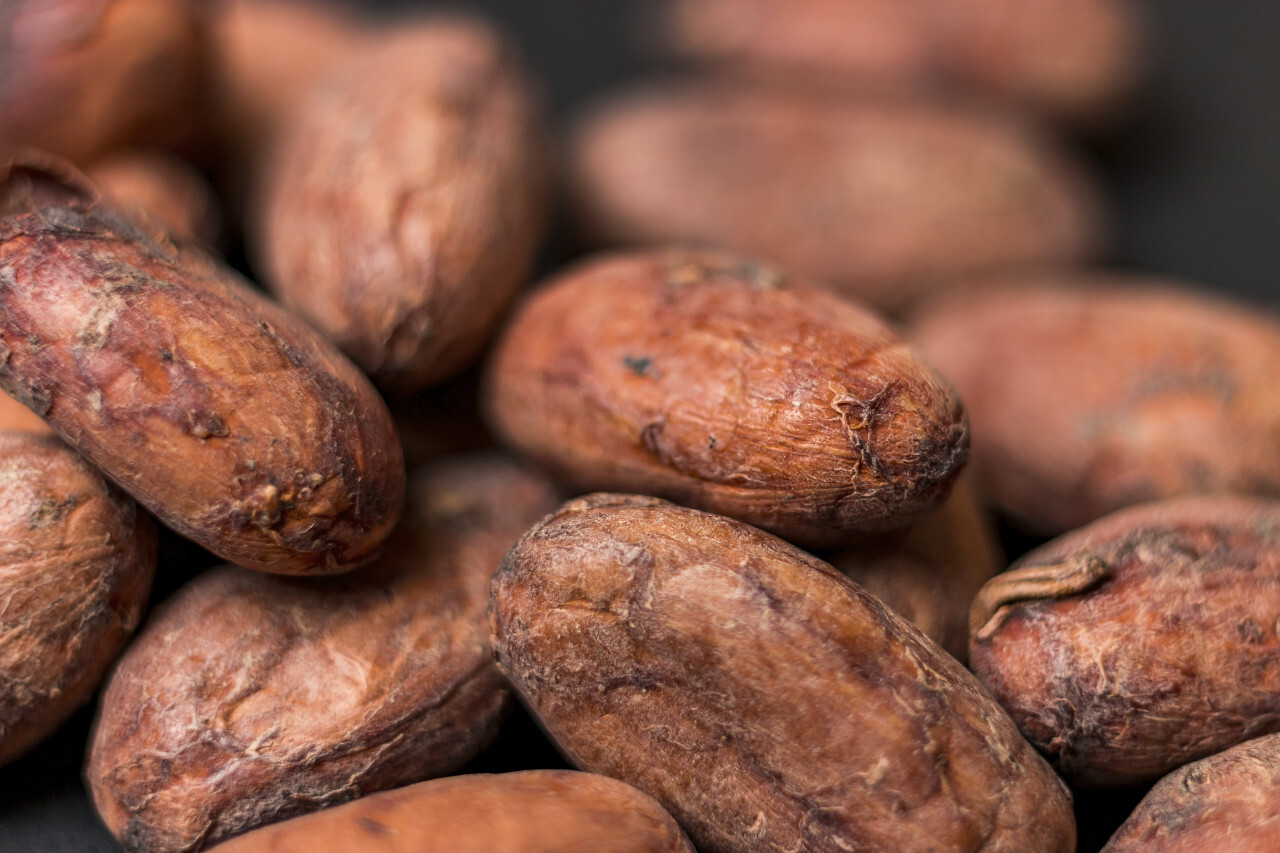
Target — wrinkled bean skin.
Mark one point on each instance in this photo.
(1224, 802)
(534, 811)
(715, 382)
(251, 698)
(407, 197)
(77, 557)
(881, 199)
(230, 419)
(1142, 641)
(1091, 392)
(769, 703)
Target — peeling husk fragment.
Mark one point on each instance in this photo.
(230, 419)
(1224, 802)
(77, 557)
(1090, 392)
(769, 703)
(533, 811)
(249, 698)
(881, 199)
(79, 77)
(1140, 642)
(406, 199)
(930, 571)
(716, 382)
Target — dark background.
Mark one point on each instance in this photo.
(1195, 195)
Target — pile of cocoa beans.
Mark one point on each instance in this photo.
(768, 458)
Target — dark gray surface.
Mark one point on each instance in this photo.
(1195, 191)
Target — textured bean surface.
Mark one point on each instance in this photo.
(883, 199)
(230, 419)
(76, 561)
(1224, 802)
(1141, 642)
(715, 382)
(535, 811)
(406, 200)
(252, 698)
(1090, 393)
(765, 700)
(1075, 59)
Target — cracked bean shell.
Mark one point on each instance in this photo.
(250, 698)
(1141, 642)
(407, 197)
(767, 701)
(1223, 802)
(77, 557)
(230, 419)
(1091, 392)
(533, 811)
(718, 383)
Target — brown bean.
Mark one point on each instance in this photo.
(1071, 59)
(535, 811)
(251, 698)
(880, 199)
(1224, 802)
(1093, 392)
(230, 419)
(406, 200)
(1142, 641)
(764, 699)
(717, 383)
(79, 77)
(76, 565)
(930, 571)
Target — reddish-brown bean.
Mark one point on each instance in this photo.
(251, 698)
(406, 199)
(1142, 641)
(76, 561)
(535, 811)
(1091, 392)
(768, 702)
(718, 383)
(230, 419)
(1224, 802)
(878, 198)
